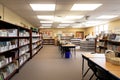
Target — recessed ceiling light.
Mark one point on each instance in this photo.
(46, 21)
(46, 24)
(64, 24)
(61, 27)
(46, 27)
(43, 7)
(74, 17)
(107, 16)
(83, 7)
(47, 17)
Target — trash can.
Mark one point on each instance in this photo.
(67, 54)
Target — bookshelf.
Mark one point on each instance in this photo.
(48, 41)
(36, 42)
(17, 46)
(101, 45)
(111, 42)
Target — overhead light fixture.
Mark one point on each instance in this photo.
(67, 22)
(46, 21)
(47, 17)
(64, 24)
(46, 24)
(107, 16)
(43, 7)
(46, 27)
(61, 27)
(84, 7)
(74, 17)
(58, 19)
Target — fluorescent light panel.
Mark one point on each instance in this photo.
(46, 21)
(84, 7)
(64, 24)
(74, 17)
(47, 17)
(43, 7)
(46, 24)
(67, 22)
(107, 16)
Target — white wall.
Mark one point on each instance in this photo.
(10, 16)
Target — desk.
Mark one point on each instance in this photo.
(99, 60)
(68, 46)
(111, 68)
(87, 56)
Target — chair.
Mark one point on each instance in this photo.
(102, 74)
(92, 66)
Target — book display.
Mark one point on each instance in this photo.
(101, 43)
(17, 46)
(111, 42)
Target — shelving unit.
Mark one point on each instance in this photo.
(17, 46)
(101, 45)
(49, 41)
(24, 46)
(36, 42)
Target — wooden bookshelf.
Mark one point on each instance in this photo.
(48, 41)
(36, 42)
(16, 44)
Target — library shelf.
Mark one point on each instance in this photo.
(17, 42)
(24, 45)
(8, 50)
(21, 65)
(11, 74)
(5, 65)
(37, 51)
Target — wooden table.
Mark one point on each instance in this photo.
(99, 60)
(68, 46)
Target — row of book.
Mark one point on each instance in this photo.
(9, 69)
(115, 48)
(23, 58)
(35, 40)
(23, 41)
(101, 43)
(36, 49)
(4, 61)
(112, 36)
(23, 33)
(7, 45)
(8, 32)
(35, 34)
(23, 50)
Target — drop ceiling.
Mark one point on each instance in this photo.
(62, 9)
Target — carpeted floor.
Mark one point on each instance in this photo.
(48, 65)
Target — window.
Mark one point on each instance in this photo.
(101, 28)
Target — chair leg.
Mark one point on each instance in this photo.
(86, 72)
(92, 76)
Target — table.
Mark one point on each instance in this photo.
(99, 60)
(87, 56)
(68, 46)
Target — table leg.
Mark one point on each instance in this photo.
(82, 67)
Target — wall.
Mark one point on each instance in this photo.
(89, 30)
(114, 25)
(10, 16)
